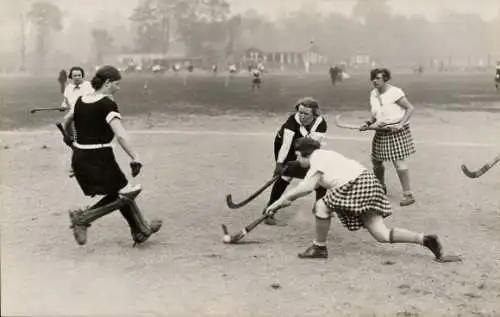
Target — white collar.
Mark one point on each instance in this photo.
(95, 97)
(303, 130)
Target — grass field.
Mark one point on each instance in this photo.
(201, 141)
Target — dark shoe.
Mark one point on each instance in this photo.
(140, 237)
(407, 200)
(79, 228)
(431, 241)
(314, 252)
(155, 225)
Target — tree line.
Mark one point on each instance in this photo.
(209, 29)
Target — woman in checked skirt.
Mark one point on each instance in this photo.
(353, 193)
(390, 108)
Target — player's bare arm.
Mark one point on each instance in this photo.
(123, 138)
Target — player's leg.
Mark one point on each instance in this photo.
(277, 190)
(379, 171)
(375, 225)
(318, 249)
(140, 229)
(404, 178)
(81, 219)
(279, 186)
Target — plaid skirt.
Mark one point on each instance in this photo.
(393, 145)
(97, 171)
(359, 196)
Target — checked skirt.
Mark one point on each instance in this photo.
(361, 195)
(393, 145)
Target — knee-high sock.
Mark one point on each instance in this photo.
(135, 218)
(404, 178)
(278, 189)
(92, 214)
(322, 228)
(399, 235)
(105, 200)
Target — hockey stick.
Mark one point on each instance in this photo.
(344, 125)
(65, 136)
(478, 173)
(234, 238)
(60, 109)
(231, 204)
(61, 129)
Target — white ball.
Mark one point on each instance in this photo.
(226, 239)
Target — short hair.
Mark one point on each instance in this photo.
(384, 71)
(72, 69)
(105, 73)
(306, 146)
(308, 102)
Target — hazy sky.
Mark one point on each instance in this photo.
(488, 9)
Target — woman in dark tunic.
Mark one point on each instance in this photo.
(97, 121)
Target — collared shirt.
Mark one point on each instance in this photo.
(72, 92)
(336, 169)
(384, 107)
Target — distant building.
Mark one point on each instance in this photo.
(139, 61)
(274, 55)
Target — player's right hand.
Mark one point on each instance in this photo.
(364, 127)
(135, 167)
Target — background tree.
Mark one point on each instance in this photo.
(203, 25)
(102, 43)
(145, 18)
(46, 18)
(154, 21)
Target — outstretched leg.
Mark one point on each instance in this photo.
(81, 219)
(376, 227)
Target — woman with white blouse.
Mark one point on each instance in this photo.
(390, 108)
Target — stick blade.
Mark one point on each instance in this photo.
(230, 203)
(449, 259)
(224, 229)
(468, 172)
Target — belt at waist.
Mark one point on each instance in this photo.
(91, 146)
